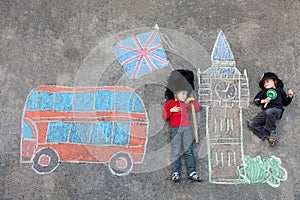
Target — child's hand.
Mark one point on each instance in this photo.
(266, 100)
(175, 109)
(290, 93)
(188, 100)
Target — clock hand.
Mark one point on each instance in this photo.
(227, 88)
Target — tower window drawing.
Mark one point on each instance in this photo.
(224, 91)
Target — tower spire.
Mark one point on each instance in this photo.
(222, 51)
(222, 57)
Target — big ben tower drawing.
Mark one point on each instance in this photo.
(224, 91)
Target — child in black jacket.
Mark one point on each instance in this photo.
(272, 98)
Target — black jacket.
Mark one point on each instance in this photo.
(281, 100)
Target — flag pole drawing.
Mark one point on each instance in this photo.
(141, 54)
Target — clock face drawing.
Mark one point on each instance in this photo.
(226, 90)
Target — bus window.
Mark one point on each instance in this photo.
(84, 101)
(63, 101)
(101, 133)
(123, 102)
(104, 100)
(27, 132)
(120, 133)
(80, 132)
(45, 101)
(138, 106)
(58, 132)
(31, 101)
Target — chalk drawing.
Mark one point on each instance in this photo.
(72, 124)
(223, 91)
(141, 54)
(255, 170)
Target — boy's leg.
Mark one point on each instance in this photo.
(187, 138)
(273, 114)
(176, 150)
(257, 125)
(272, 138)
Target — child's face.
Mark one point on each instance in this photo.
(269, 83)
(181, 95)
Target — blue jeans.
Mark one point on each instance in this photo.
(182, 137)
(264, 122)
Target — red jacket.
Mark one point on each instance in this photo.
(179, 118)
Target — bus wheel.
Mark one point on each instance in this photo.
(120, 163)
(45, 161)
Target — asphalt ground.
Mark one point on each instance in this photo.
(69, 43)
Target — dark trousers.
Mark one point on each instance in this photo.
(264, 122)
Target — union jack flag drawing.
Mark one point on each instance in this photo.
(141, 54)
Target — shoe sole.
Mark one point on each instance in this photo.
(197, 180)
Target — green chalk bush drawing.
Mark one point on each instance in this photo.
(255, 170)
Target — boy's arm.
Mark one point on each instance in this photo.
(166, 112)
(196, 105)
(259, 97)
(287, 98)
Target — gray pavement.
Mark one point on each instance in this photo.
(68, 43)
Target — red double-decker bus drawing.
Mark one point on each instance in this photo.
(68, 124)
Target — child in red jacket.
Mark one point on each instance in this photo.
(181, 134)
